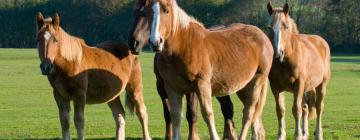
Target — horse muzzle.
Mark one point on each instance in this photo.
(46, 68)
(157, 45)
(134, 46)
(279, 57)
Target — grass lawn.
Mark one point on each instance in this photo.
(28, 110)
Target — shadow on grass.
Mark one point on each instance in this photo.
(346, 60)
(357, 136)
(57, 138)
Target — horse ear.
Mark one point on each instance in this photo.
(140, 3)
(39, 19)
(56, 20)
(286, 8)
(269, 8)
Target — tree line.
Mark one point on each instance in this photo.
(338, 21)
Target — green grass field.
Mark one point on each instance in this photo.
(28, 110)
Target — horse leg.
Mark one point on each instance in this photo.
(166, 109)
(320, 96)
(305, 114)
(228, 113)
(175, 102)
(134, 89)
(137, 95)
(280, 112)
(297, 108)
(191, 116)
(164, 99)
(256, 125)
(79, 107)
(204, 95)
(250, 99)
(64, 114)
(119, 117)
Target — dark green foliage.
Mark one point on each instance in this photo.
(93, 20)
(338, 21)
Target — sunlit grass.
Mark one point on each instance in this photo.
(28, 110)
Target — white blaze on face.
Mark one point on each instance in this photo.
(47, 36)
(277, 39)
(154, 31)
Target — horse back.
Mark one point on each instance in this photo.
(119, 49)
(240, 51)
(317, 53)
(321, 46)
(245, 40)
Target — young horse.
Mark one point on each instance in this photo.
(209, 63)
(301, 65)
(138, 38)
(89, 75)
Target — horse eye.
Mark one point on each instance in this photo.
(55, 40)
(285, 25)
(166, 11)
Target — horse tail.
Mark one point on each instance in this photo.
(310, 101)
(129, 102)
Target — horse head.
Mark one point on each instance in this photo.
(47, 34)
(280, 25)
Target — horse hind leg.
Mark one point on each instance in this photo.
(134, 91)
(307, 104)
(136, 95)
(64, 114)
(250, 99)
(258, 127)
(228, 113)
(191, 116)
(320, 96)
(119, 117)
(204, 95)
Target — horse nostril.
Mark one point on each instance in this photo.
(46, 68)
(161, 40)
(50, 67)
(136, 43)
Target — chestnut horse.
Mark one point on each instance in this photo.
(138, 38)
(301, 66)
(195, 60)
(89, 75)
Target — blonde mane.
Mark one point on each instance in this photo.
(70, 47)
(180, 18)
(293, 26)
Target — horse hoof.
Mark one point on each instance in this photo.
(194, 137)
(298, 138)
(281, 137)
(318, 138)
(305, 137)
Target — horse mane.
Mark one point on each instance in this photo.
(293, 25)
(181, 18)
(71, 47)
